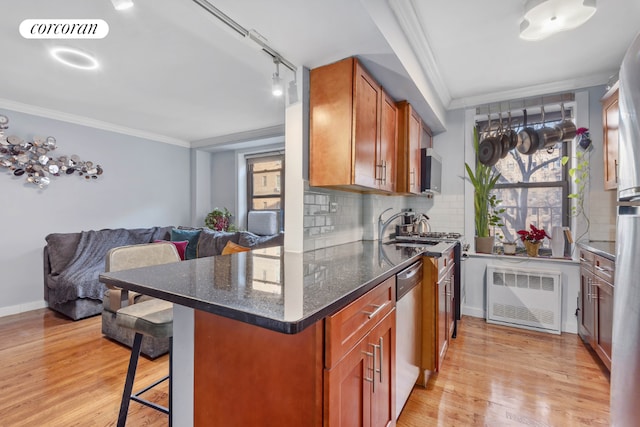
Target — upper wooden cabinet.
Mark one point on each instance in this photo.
(353, 128)
(413, 134)
(610, 121)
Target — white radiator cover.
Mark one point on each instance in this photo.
(525, 298)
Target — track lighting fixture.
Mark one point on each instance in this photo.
(122, 4)
(277, 88)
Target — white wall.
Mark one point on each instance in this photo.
(145, 183)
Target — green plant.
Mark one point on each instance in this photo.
(220, 220)
(483, 180)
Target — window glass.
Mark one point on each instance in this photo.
(264, 183)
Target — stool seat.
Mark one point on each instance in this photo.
(153, 317)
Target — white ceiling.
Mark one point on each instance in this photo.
(172, 72)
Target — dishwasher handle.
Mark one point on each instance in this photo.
(408, 278)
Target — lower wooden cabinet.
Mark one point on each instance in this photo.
(359, 390)
(595, 311)
(338, 372)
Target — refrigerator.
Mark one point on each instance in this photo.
(625, 358)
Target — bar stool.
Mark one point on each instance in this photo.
(153, 317)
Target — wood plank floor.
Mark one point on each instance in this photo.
(57, 372)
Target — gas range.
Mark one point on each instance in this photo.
(429, 237)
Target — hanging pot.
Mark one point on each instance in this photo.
(566, 127)
(527, 138)
(547, 137)
(490, 148)
(513, 135)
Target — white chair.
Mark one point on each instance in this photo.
(153, 317)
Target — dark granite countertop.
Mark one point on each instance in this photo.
(602, 248)
(281, 291)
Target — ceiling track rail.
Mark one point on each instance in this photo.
(247, 34)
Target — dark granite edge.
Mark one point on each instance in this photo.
(598, 251)
(287, 327)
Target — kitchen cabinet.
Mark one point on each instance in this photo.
(340, 371)
(439, 308)
(596, 303)
(610, 124)
(353, 129)
(411, 131)
(360, 361)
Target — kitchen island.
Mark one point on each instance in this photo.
(249, 328)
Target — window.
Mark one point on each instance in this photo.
(534, 190)
(264, 177)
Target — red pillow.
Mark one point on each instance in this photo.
(181, 246)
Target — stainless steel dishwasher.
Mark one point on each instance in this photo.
(408, 331)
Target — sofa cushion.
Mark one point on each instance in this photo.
(191, 236)
(211, 242)
(233, 248)
(254, 241)
(181, 246)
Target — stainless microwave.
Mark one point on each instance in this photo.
(430, 171)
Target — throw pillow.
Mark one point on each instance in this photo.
(181, 246)
(190, 236)
(232, 248)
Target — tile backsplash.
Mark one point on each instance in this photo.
(333, 217)
(602, 215)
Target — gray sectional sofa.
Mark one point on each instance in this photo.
(73, 262)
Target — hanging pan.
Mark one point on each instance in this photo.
(527, 138)
(566, 127)
(490, 148)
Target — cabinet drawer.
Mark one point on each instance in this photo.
(344, 329)
(586, 259)
(445, 262)
(604, 268)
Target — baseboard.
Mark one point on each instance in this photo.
(21, 308)
(473, 311)
(570, 327)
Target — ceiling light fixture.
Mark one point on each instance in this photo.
(122, 4)
(74, 58)
(543, 18)
(277, 89)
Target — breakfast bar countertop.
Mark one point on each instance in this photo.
(271, 288)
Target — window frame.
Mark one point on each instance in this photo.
(252, 159)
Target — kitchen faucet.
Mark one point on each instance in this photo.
(382, 225)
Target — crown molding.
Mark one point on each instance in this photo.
(406, 14)
(86, 121)
(241, 137)
(528, 91)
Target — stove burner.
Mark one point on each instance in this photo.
(441, 235)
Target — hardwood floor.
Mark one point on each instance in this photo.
(500, 376)
(56, 372)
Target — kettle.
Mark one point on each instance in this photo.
(422, 225)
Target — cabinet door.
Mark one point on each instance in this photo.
(348, 388)
(603, 297)
(442, 320)
(415, 130)
(451, 306)
(382, 339)
(587, 308)
(367, 103)
(610, 119)
(387, 149)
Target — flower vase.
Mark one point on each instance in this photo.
(532, 248)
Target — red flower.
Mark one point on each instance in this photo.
(580, 131)
(535, 235)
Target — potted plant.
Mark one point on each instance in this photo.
(220, 220)
(483, 180)
(532, 239)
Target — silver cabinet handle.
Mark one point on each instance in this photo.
(375, 312)
(381, 347)
(589, 288)
(384, 172)
(378, 174)
(412, 176)
(615, 163)
(372, 380)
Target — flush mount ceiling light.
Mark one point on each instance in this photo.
(74, 58)
(543, 18)
(277, 88)
(122, 4)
